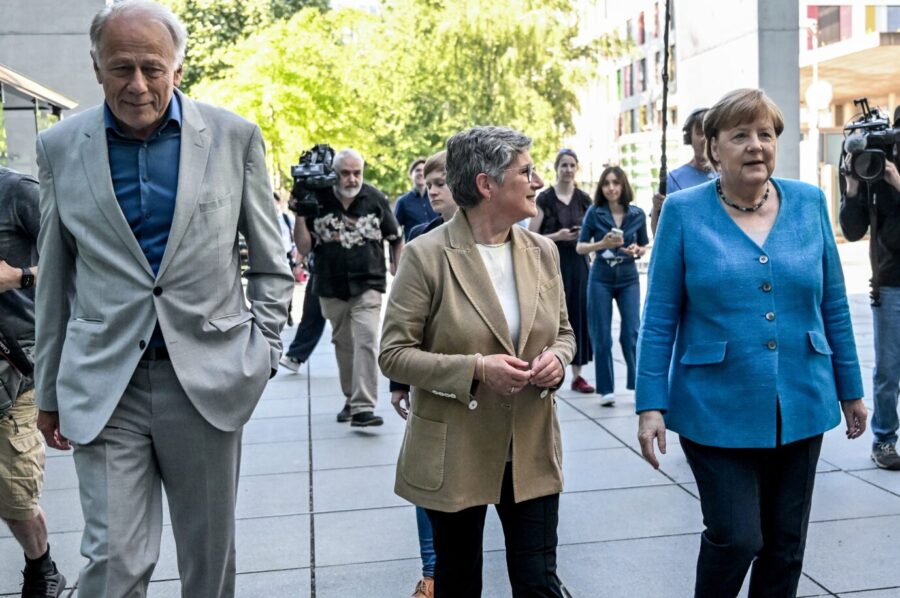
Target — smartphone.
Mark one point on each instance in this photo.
(617, 232)
(574, 229)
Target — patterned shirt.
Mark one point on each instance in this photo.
(350, 243)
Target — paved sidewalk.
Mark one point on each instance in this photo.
(317, 515)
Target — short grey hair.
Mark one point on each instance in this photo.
(343, 154)
(156, 12)
(488, 150)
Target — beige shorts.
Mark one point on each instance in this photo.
(21, 460)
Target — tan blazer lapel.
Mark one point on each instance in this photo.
(195, 146)
(95, 159)
(526, 265)
(469, 271)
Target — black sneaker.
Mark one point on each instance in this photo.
(344, 416)
(366, 418)
(44, 584)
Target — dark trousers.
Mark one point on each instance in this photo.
(755, 506)
(309, 331)
(529, 529)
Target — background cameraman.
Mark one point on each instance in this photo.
(885, 255)
(353, 222)
(21, 445)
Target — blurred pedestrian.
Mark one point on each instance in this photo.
(747, 350)
(413, 207)
(21, 447)
(874, 208)
(560, 212)
(696, 172)
(442, 202)
(617, 231)
(476, 324)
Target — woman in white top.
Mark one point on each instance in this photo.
(476, 324)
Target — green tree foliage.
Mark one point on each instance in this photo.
(216, 25)
(394, 85)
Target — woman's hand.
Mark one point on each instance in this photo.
(546, 370)
(400, 401)
(634, 250)
(652, 425)
(855, 414)
(611, 241)
(504, 374)
(564, 234)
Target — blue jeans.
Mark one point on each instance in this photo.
(426, 542)
(627, 295)
(311, 326)
(886, 375)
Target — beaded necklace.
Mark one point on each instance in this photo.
(728, 202)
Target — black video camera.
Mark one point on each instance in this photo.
(871, 142)
(314, 172)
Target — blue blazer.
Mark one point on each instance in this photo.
(731, 331)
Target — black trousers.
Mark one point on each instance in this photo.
(755, 506)
(529, 529)
(311, 326)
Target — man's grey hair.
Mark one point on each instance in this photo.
(488, 150)
(154, 11)
(343, 154)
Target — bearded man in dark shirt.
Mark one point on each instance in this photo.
(349, 273)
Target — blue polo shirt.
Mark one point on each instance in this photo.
(145, 179)
(413, 209)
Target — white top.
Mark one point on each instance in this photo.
(499, 264)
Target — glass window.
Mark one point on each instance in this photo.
(893, 18)
(640, 32)
(642, 75)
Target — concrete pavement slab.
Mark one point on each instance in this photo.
(355, 488)
(628, 513)
(274, 457)
(855, 554)
(282, 429)
(603, 469)
(272, 495)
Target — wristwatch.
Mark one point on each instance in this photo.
(27, 278)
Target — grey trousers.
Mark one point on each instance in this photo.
(354, 332)
(154, 439)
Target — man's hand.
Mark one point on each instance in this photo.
(891, 176)
(10, 277)
(855, 414)
(48, 424)
(400, 401)
(651, 425)
(851, 181)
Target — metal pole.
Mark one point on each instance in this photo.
(663, 171)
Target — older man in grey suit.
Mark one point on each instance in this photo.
(148, 357)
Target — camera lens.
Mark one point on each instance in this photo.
(869, 165)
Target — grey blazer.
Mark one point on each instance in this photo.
(98, 300)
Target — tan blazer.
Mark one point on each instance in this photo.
(443, 310)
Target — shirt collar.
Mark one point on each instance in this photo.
(173, 114)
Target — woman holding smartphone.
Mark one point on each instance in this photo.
(617, 231)
(560, 210)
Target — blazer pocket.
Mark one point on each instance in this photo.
(704, 353)
(819, 342)
(215, 204)
(226, 323)
(553, 282)
(422, 457)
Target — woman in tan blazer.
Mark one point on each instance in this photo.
(476, 323)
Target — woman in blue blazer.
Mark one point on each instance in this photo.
(746, 350)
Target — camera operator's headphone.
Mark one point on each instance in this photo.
(690, 122)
